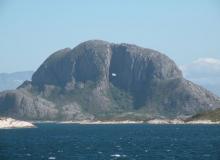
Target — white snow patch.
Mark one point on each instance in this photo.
(114, 74)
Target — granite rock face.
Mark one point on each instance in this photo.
(98, 80)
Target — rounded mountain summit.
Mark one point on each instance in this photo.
(98, 80)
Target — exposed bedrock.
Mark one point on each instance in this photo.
(106, 81)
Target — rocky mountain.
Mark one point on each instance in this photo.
(9, 81)
(98, 80)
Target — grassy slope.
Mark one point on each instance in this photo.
(211, 115)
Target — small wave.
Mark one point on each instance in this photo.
(28, 154)
(52, 158)
(118, 155)
(206, 155)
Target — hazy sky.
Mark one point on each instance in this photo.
(31, 30)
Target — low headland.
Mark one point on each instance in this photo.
(8, 123)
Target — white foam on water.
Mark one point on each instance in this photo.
(60, 151)
(115, 155)
(52, 158)
(206, 155)
(118, 155)
(28, 154)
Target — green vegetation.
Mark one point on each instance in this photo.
(214, 116)
(120, 98)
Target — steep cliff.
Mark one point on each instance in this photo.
(105, 81)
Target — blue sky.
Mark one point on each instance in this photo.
(31, 30)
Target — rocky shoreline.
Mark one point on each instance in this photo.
(154, 121)
(103, 122)
(9, 123)
(179, 121)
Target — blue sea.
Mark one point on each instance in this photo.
(111, 142)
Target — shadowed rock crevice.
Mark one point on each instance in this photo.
(134, 69)
(128, 73)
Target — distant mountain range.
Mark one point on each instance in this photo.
(9, 81)
(98, 80)
(205, 72)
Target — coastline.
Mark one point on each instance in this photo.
(153, 121)
(10, 123)
(103, 122)
(90, 122)
(179, 121)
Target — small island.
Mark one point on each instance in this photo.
(8, 123)
(103, 82)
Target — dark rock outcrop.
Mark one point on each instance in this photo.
(105, 81)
